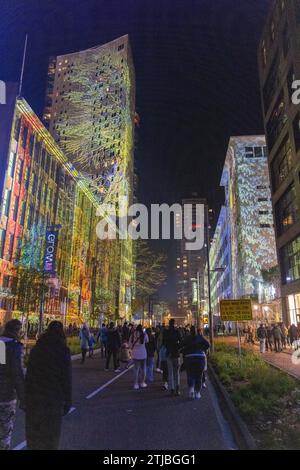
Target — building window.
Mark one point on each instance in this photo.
(120, 47)
(286, 210)
(272, 82)
(256, 152)
(272, 31)
(6, 202)
(11, 164)
(2, 241)
(277, 121)
(22, 217)
(264, 53)
(31, 144)
(285, 41)
(24, 136)
(16, 207)
(290, 261)
(282, 163)
(296, 126)
(19, 170)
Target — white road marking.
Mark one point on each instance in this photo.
(20, 446)
(71, 410)
(91, 395)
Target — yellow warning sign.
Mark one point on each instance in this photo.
(236, 310)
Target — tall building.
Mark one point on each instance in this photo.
(279, 66)
(47, 228)
(190, 267)
(243, 252)
(90, 112)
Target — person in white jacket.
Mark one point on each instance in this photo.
(137, 342)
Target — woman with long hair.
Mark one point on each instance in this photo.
(194, 352)
(137, 342)
(48, 386)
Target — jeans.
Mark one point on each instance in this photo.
(114, 353)
(173, 373)
(277, 343)
(7, 419)
(164, 368)
(262, 345)
(149, 367)
(103, 350)
(139, 370)
(194, 370)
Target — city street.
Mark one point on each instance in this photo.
(108, 414)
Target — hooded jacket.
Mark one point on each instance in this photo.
(11, 373)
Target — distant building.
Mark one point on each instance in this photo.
(279, 66)
(190, 267)
(243, 247)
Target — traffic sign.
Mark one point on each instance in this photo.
(236, 310)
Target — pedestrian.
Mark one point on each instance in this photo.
(125, 332)
(137, 342)
(125, 354)
(284, 335)
(92, 343)
(223, 329)
(151, 348)
(277, 338)
(229, 329)
(172, 341)
(194, 362)
(270, 338)
(113, 347)
(293, 335)
(262, 336)
(11, 380)
(84, 335)
(102, 338)
(48, 389)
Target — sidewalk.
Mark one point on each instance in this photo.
(281, 360)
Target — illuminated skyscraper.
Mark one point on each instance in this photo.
(243, 247)
(279, 66)
(90, 112)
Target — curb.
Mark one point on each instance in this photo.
(240, 431)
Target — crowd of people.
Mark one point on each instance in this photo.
(44, 393)
(274, 337)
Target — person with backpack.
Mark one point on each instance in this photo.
(151, 348)
(194, 351)
(11, 380)
(137, 343)
(262, 337)
(172, 341)
(48, 389)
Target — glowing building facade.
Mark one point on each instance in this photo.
(42, 191)
(279, 66)
(90, 112)
(243, 247)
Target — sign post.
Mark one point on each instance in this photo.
(236, 310)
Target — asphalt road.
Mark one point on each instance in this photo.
(108, 414)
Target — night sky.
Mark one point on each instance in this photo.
(196, 73)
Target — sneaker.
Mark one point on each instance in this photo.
(136, 386)
(177, 393)
(158, 370)
(143, 385)
(204, 385)
(198, 396)
(166, 386)
(106, 370)
(191, 393)
(117, 370)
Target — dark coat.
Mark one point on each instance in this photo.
(151, 346)
(113, 339)
(172, 341)
(261, 333)
(11, 373)
(194, 344)
(48, 381)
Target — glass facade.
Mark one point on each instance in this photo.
(290, 261)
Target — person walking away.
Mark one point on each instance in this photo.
(270, 338)
(11, 380)
(277, 338)
(138, 342)
(293, 335)
(262, 335)
(48, 389)
(284, 334)
(113, 347)
(150, 347)
(158, 344)
(171, 339)
(194, 353)
(125, 332)
(84, 335)
(92, 343)
(102, 338)
(125, 354)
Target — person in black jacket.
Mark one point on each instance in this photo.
(194, 352)
(113, 346)
(172, 341)
(151, 348)
(11, 380)
(48, 388)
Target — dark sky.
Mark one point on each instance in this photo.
(196, 72)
